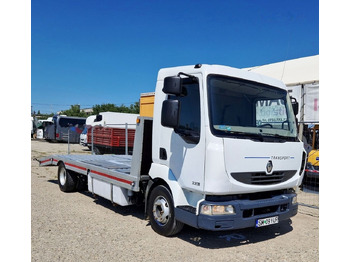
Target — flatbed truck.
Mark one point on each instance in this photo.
(221, 152)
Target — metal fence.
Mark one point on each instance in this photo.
(308, 196)
(309, 191)
(125, 126)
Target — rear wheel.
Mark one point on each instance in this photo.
(67, 180)
(161, 212)
(97, 150)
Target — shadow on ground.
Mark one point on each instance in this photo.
(204, 238)
(224, 239)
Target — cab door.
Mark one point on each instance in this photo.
(187, 142)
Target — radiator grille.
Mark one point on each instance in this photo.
(261, 178)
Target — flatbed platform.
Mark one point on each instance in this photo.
(115, 169)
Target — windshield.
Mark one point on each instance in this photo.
(67, 122)
(249, 109)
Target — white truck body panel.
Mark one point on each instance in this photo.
(39, 134)
(83, 136)
(189, 174)
(110, 119)
(114, 193)
(90, 120)
(114, 119)
(234, 156)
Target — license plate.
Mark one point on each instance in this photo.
(266, 221)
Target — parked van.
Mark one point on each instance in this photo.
(65, 127)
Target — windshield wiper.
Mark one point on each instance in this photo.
(284, 138)
(254, 136)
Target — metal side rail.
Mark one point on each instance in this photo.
(114, 169)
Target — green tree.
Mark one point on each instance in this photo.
(96, 109)
(133, 108)
(74, 111)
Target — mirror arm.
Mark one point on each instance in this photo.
(189, 76)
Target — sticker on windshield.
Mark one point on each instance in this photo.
(224, 127)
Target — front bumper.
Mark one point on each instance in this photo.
(247, 212)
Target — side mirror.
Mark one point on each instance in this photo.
(170, 113)
(172, 85)
(295, 105)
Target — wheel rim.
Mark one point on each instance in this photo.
(161, 210)
(62, 176)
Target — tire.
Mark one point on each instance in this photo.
(161, 212)
(67, 181)
(97, 151)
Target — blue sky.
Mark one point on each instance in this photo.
(92, 52)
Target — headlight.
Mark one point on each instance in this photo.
(217, 210)
(294, 200)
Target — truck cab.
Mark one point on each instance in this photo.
(225, 146)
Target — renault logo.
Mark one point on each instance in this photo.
(269, 167)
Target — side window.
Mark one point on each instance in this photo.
(190, 117)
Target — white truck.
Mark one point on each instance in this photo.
(104, 121)
(221, 152)
(83, 136)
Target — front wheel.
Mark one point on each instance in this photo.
(161, 212)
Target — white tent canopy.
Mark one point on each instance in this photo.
(301, 76)
(292, 72)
